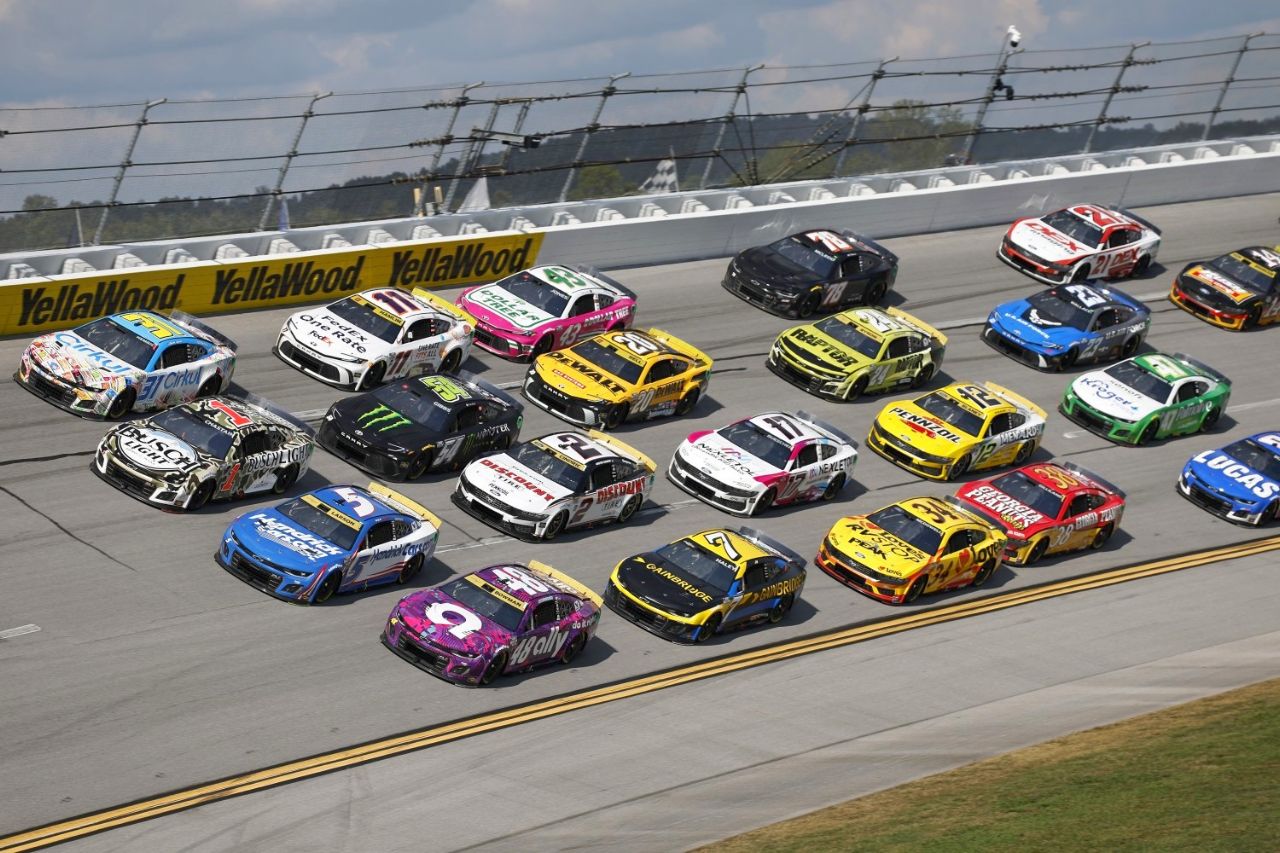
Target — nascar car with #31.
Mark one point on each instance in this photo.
(1080, 242)
(133, 361)
(1047, 509)
(215, 448)
(546, 307)
(1069, 324)
(864, 350)
(776, 458)
(540, 488)
(912, 547)
(1239, 482)
(331, 540)
(618, 377)
(1148, 397)
(965, 426)
(707, 583)
(821, 269)
(364, 339)
(1239, 290)
(429, 423)
(503, 619)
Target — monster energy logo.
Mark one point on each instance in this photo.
(386, 418)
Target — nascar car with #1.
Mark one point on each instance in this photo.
(1239, 482)
(1069, 324)
(1238, 290)
(1080, 242)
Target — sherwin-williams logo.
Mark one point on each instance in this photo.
(383, 418)
(109, 297)
(265, 283)
(478, 259)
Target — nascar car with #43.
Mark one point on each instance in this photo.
(1080, 242)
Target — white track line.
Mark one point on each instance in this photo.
(19, 631)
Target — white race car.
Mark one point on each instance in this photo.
(771, 459)
(1080, 242)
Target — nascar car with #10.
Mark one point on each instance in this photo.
(1080, 242)
(1069, 324)
(1239, 482)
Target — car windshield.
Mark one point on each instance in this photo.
(418, 404)
(365, 318)
(1244, 273)
(609, 361)
(1143, 381)
(195, 431)
(849, 336)
(758, 443)
(713, 573)
(1052, 305)
(549, 465)
(949, 411)
(320, 523)
(908, 528)
(535, 291)
(478, 601)
(1039, 497)
(805, 257)
(1261, 459)
(109, 336)
(1074, 227)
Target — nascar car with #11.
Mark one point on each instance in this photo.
(1239, 482)
(1238, 290)
(1069, 324)
(1080, 242)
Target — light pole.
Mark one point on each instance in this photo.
(1009, 45)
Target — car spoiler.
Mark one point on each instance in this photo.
(1086, 474)
(441, 304)
(823, 426)
(1201, 366)
(768, 543)
(602, 278)
(271, 408)
(1014, 397)
(878, 248)
(488, 387)
(182, 318)
(405, 505)
(573, 584)
(1145, 223)
(913, 320)
(680, 346)
(623, 448)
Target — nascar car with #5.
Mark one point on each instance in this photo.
(1069, 324)
(1239, 482)
(1080, 242)
(1238, 290)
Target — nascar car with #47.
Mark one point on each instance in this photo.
(1239, 482)
(1069, 324)
(1238, 290)
(1080, 242)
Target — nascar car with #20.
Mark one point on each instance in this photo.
(1239, 482)
(133, 361)
(856, 352)
(1239, 290)
(1069, 324)
(503, 619)
(331, 540)
(1080, 242)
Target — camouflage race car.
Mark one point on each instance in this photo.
(1238, 290)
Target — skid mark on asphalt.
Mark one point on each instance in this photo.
(58, 525)
(52, 458)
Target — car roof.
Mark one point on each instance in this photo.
(954, 392)
(799, 431)
(877, 324)
(413, 307)
(569, 453)
(152, 327)
(830, 241)
(745, 548)
(610, 339)
(568, 280)
(1166, 367)
(928, 509)
(329, 495)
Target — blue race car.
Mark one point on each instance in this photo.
(335, 539)
(1067, 325)
(1239, 482)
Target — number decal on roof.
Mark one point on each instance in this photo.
(977, 395)
(398, 302)
(438, 614)
(833, 241)
(355, 501)
(718, 540)
(636, 343)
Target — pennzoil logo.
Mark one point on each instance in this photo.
(384, 418)
(65, 304)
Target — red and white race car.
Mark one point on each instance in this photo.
(1080, 242)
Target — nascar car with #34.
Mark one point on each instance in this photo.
(331, 540)
(214, 448)
(502, 619)
(409, 427)
(1080, 242)
(707, 583)
(1238, 290)
(133, 361)
(775, 458)
(864, 350)
(1239, 482)
(1069, 324)
(540, 488)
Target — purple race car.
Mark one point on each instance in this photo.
(505, 618)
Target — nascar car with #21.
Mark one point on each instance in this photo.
(1239, 482)
(133, 361)
(1239, 290)
(1069, 324)
(1080, 242)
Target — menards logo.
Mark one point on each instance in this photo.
(383, 417)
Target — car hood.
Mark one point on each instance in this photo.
(514, 484)
(877, 549)
(369, 423)
(1045, 242)
(664, 585)
(413, 613)
(910, 423)
(71, 358)
(323, 332)
(727, 462)
(1114, 399)
(1215, 286)
(1022, 321)
(1008, 512)
(580, 379)
(280, 540)
(824, 349)
(773, 269)
(496, 307)
(144, 447)
(1231, 478)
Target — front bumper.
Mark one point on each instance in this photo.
(316, 366)
(665, 625)
(906, 457)
(561, 405)
(1018, 350)
(501, 343)
(1205, 497)
(760, 295)
(265, 576)
(708, 490)
(496, 514)
(1028, 264)
(63, 394)
(366, 458)
(815, 380)
(1234, 320)
(430, 658)
(878, 588)
(147, 489)
(1098, 423)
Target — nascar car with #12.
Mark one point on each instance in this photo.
(1080, 242)
(1238, 290)
(1239, 482)
(1069, 324)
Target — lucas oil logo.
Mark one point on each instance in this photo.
(1242, 474)
(382, 417)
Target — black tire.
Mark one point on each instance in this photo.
(421, 465)
(495, 668)
(573, 649)
(766, 501)
(1143, 264)
(687, 402)
(328, 587)
(1024, 452)
(618, 326)
(630, 508)
(781, 609)
(122, 404)
(285, 481)
(1130, 347)
(834, 487)
(924, 376)
(984, 574)
(1211, 419)
(211, 386)
(1254, 317)
(202, 495)
(1081, 273)
(917, 587)
(961, 467)
(616, 417)
(1148, 435)
(1037, 551)
(1069, 359)
(808, 305)
(1103, 536)
(709, 628)
(373, 376)
(1274, 511)
(874, 294)
(451, 362)
(858, 388)
(556, 527)
(410, 569)
(542, 346)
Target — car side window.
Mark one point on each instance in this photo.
(661, 370)
(1190, 390)
(602, 476)
(1001, 423)
(898, 347)
(1079, 504)
(826, 451)
(584, 304)
(400, 528)
(1106, 319)
(468, 416)
(546, 613)
(254, 442)
(625, 470)
(1121, 237)
(757, 575)
(380, 534)
(852, 266)
(958, 542)
(176, 354)
(977, 537)
(604, 300)
(428, 327)
(808, 456)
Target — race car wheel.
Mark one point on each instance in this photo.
(808, 305)
(709, 628)
(1253, 317)
(614, 419)
(766, 501)
(857, 389)
(210, 387)
(1148, 435)
(495, 668)
(780, 610)
(1101, 538)
(373, 376)
(1037, 552)
(328, 587)
(451, 362)
(421, 465)
(1143, 264)
(1130, 347)
(917, 587)
(1081, 273)
(1024, 452)
(1274, 510)
(687, 402)
(201, 496)
(542, 346)
(984, 574)
(1068, 359)
(922, 378)
(833, 488)
(874, 293)
(1210, 419)
(556, 527)
(629, 508)
(410, 569)
(285, 480)
(122, 404)
(572, 650)
(961, 467)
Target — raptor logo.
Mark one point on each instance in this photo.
(383, 417)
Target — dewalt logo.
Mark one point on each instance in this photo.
(384, 418)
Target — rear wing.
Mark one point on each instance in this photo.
(960, 506)
(768, 543)
(182, 318)
(606, 280)
(1086, 474)
(822, 426)
(488, 387)
(1145, 223)
(878, 248)
(912, 320)
(1202, 367)
(438, 302)
(623, 448)
(1015, 398)
(277, 412)
(680, 346)
(405, 505)
(564, 580)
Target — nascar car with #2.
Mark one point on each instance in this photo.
(133, 361)
(546, 307)
(1080, 242)
(215, 448)
(364, 339)
(331, 540)
(707, 583)
(1069, 324)
(775, 458)
(1239, 482)
(409, 427)
(1239, 290)
(865, 350)
(1148, 397)
(503, 619)
(821, 269)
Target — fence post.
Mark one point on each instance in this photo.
(852, 136)
(288, 160)
(461, 101)
(124, 165)
(474, 149)
(591, 128)
(724, 122)
(1007, 50)
(1226, 84)
(1115, 87)
(516, 130)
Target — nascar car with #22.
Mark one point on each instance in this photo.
(331, 540)
(1148, 397)
(215, 448)
(1080, 242)
(1069, 324)
(1239, 482)
(133, 361)
(1239, 290)
(707, 583)
(775, 458)
(856, 352)
(503, 619)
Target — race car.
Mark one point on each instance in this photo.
(544, 308)
(1238, 290)
(540, 488)
(856, 352)
(506, 618)
(331, 540)
(134, 361)
(776, 458)
(619, 376)
(364, 339)
(1080, 242)
(1069, 324)
(429, 423)
(707, 583)
(817, 270)
(1239, 482)
(215, 448)
(1046, 508)
(1146, 397)
(965, 426)
(912, 547)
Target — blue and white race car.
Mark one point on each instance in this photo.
(1069, 324)
(335, 539)
(1239, 482)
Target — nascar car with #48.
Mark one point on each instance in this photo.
(1069, 324)
(1080, 242)
(1239, 290)
(1239, 482)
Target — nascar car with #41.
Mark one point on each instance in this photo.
(1080, 242)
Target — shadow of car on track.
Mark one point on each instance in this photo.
(596, 652)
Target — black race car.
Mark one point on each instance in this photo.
(819, 269)
(1238, 290)
(411, 426)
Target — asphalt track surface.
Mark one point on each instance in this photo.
(153, 669)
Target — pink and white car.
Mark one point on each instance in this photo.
(1081, 242)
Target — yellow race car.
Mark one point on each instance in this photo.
(964, 426)
(619, 376)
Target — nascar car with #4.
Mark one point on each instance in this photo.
(1148, 397)
(707, 583)
(331, 540)
(503, 619)
(1239, 482)
(856, 352)
(1069, 324)
(1080, 242)
(364, 339)
(775, 458)
(1238, 290)
(134, 361)
(214, 448)
(618, 377)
